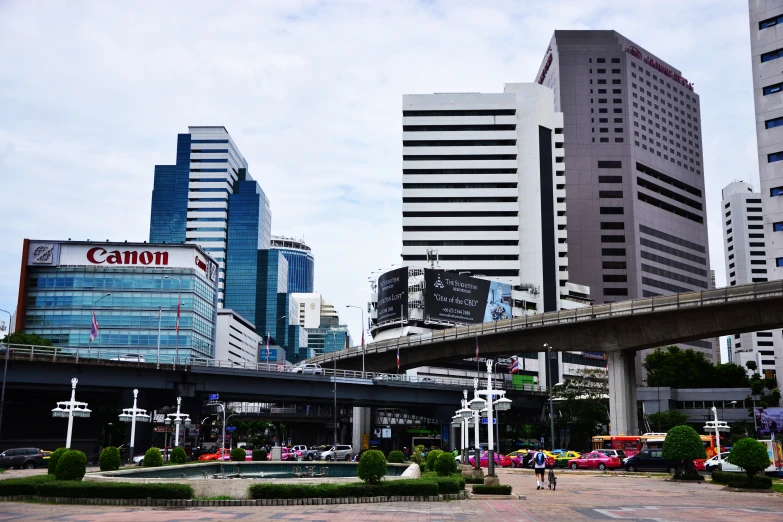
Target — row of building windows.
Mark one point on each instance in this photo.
(668, 85)
(459, 128)
(459, 143)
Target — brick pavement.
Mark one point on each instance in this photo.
(579, 497)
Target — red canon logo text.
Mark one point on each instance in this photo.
(99, 256)
(201, 264)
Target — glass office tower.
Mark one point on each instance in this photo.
(301, 263)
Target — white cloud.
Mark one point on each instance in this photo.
(92, 96)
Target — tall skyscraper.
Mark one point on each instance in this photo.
(301, 263)
(190, 200)
(744, 239)
(483, 190)
(634, 168)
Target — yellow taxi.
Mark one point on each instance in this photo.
(561, 461)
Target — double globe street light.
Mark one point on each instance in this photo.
(71, 409)
(462, 421)
(486, 407)
(133, 415)
(177, 418)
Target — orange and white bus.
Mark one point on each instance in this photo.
(633, 444)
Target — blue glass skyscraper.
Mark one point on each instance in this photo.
(301, 264)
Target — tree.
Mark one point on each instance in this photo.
(676, 368)
(766, 389)
(667, 420)
(683, 444)
(751, 365)
(71, 466)
(372, 466)
(749, 454)
(20, 337)
(581, 406)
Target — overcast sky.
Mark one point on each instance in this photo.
(93, 95)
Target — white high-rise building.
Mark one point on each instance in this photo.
(483, 190)
(745, 241)
(236, 340)
(766, 44)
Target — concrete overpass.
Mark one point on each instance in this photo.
(619, 329)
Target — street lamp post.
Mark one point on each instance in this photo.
(133, 415)
(178, 418)
(718, 426)
(71, 409)
(363, 328)
(176, 328)
(223, 442)
(464, 414)
(476, 404)
(551, 407)
(488, 406)
(5, 366)
(110, 426)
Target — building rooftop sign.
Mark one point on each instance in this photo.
(655, 64)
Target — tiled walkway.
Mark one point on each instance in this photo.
(578, 497)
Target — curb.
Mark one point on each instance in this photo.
(511, 496)
(159, 502)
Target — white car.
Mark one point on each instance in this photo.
(139, 459)
(713, 464)
(308, 369)
(130, 357)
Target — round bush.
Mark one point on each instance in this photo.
(445, 464)
(71, 466)
(396, 457)
(238, 455)
(110, 459)
(153, 458)
(59, 452)
(431, 458)
(259, 454)
(372, 466)
(684, 445)
(749, 454)
(178, 456)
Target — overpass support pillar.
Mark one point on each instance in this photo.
(622, 393)
(362, 418)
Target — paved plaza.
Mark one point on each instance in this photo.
(579, 496)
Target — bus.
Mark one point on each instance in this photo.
(633, 444)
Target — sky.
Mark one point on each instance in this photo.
(93, 95)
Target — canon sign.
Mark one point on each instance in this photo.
(99, 256)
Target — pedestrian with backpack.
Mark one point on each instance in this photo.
(539, 462)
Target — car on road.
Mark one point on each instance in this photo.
(714, 464)
(339, 452)
(308, 369)
(500, 460)
(620, 454)
(650, 460)
(219, 454)
(28, 458)
(564, 458)
(595, 460)
(517, 457)
(529, 459)
(130, 357)
(300, 449)
(312, 452)
(471, 453)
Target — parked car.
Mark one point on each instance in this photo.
(471, 453)
(28, 458)
(300, 449)
(714, 464)
(500, 460)
(130, 357)
(47, 454)
(312, 453)
(650, 460)
(564, 458)
(339, 452)
(219, 454)
(529, 459)
(595, 460)
(620, 454)
(308, 369)
(517, 457)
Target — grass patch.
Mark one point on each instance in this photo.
(778, 487)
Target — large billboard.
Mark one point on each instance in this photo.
(769, 421)
(454, 298)
(392, 294)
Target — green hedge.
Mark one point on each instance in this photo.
(396, 457)
(354, 489)
(259, 454)
(432, 456)
(178, 456)
(491, 490)
(110, 459)
(451, 484)
(55, 456)
(153, 458)
(71, 466)
(740, 480)
(47, 486)
(238, 455)
(471, 480)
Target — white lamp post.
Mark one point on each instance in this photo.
(465, 414)
(133, 415)
(178, 418)
(476, 405)
(71, 409)
(718, 426)
(487, 407)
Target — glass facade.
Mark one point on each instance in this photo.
(272, 280)
(301, 270)
(325, 340)
(168, 214)
(60, 300)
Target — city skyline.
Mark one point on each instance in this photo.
(93, 180)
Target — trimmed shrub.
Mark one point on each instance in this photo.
(396, 457)
(491, 490)
(238, 455)
(448, 485)
(114, 490)
(153, 458)
(431, 457)
(445, 464)
(71, 466)
(749, 454)
(372, 466)
(109, 459)
(684, 445)
(23, 486)
(56, 454)
(471, 480)
(259, 455)
(735, 480)
(354, 489)
(178, 456)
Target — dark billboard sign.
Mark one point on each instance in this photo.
(454, 298)
(392, 294)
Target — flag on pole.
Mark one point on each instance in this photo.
(94, 327)
(398, 359)
(176, 327)
(267, 345)
(514, 366)
(477, 350)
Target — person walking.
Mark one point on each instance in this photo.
(539, 463)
